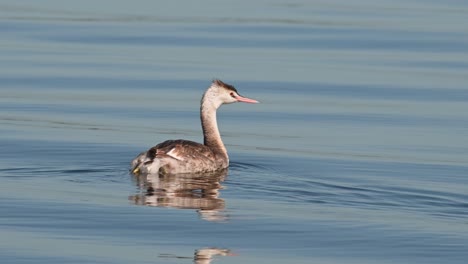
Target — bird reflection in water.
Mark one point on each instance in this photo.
(203, 255)
(183, 191)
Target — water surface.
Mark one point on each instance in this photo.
(356, 154)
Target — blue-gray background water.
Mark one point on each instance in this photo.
(358, 152)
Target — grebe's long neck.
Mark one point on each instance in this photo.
(211, 135)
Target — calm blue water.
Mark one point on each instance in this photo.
(358, 152)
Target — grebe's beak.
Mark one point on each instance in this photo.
(245, 99)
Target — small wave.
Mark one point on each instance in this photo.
(258, 181)
(246, 166)
(78, 175)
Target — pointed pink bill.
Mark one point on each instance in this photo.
(245, 99)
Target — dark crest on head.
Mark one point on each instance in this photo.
(225, 85)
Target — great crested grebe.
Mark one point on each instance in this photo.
(184, 156)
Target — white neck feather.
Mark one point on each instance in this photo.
(211, 136)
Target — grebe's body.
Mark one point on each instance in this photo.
(184, 156)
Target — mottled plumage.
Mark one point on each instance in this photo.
(179, 156)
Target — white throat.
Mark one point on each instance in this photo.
(212, 138)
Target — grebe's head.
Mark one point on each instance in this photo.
(222, 93)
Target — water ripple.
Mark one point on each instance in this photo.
(294, 188)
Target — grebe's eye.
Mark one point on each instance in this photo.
(233, 95)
